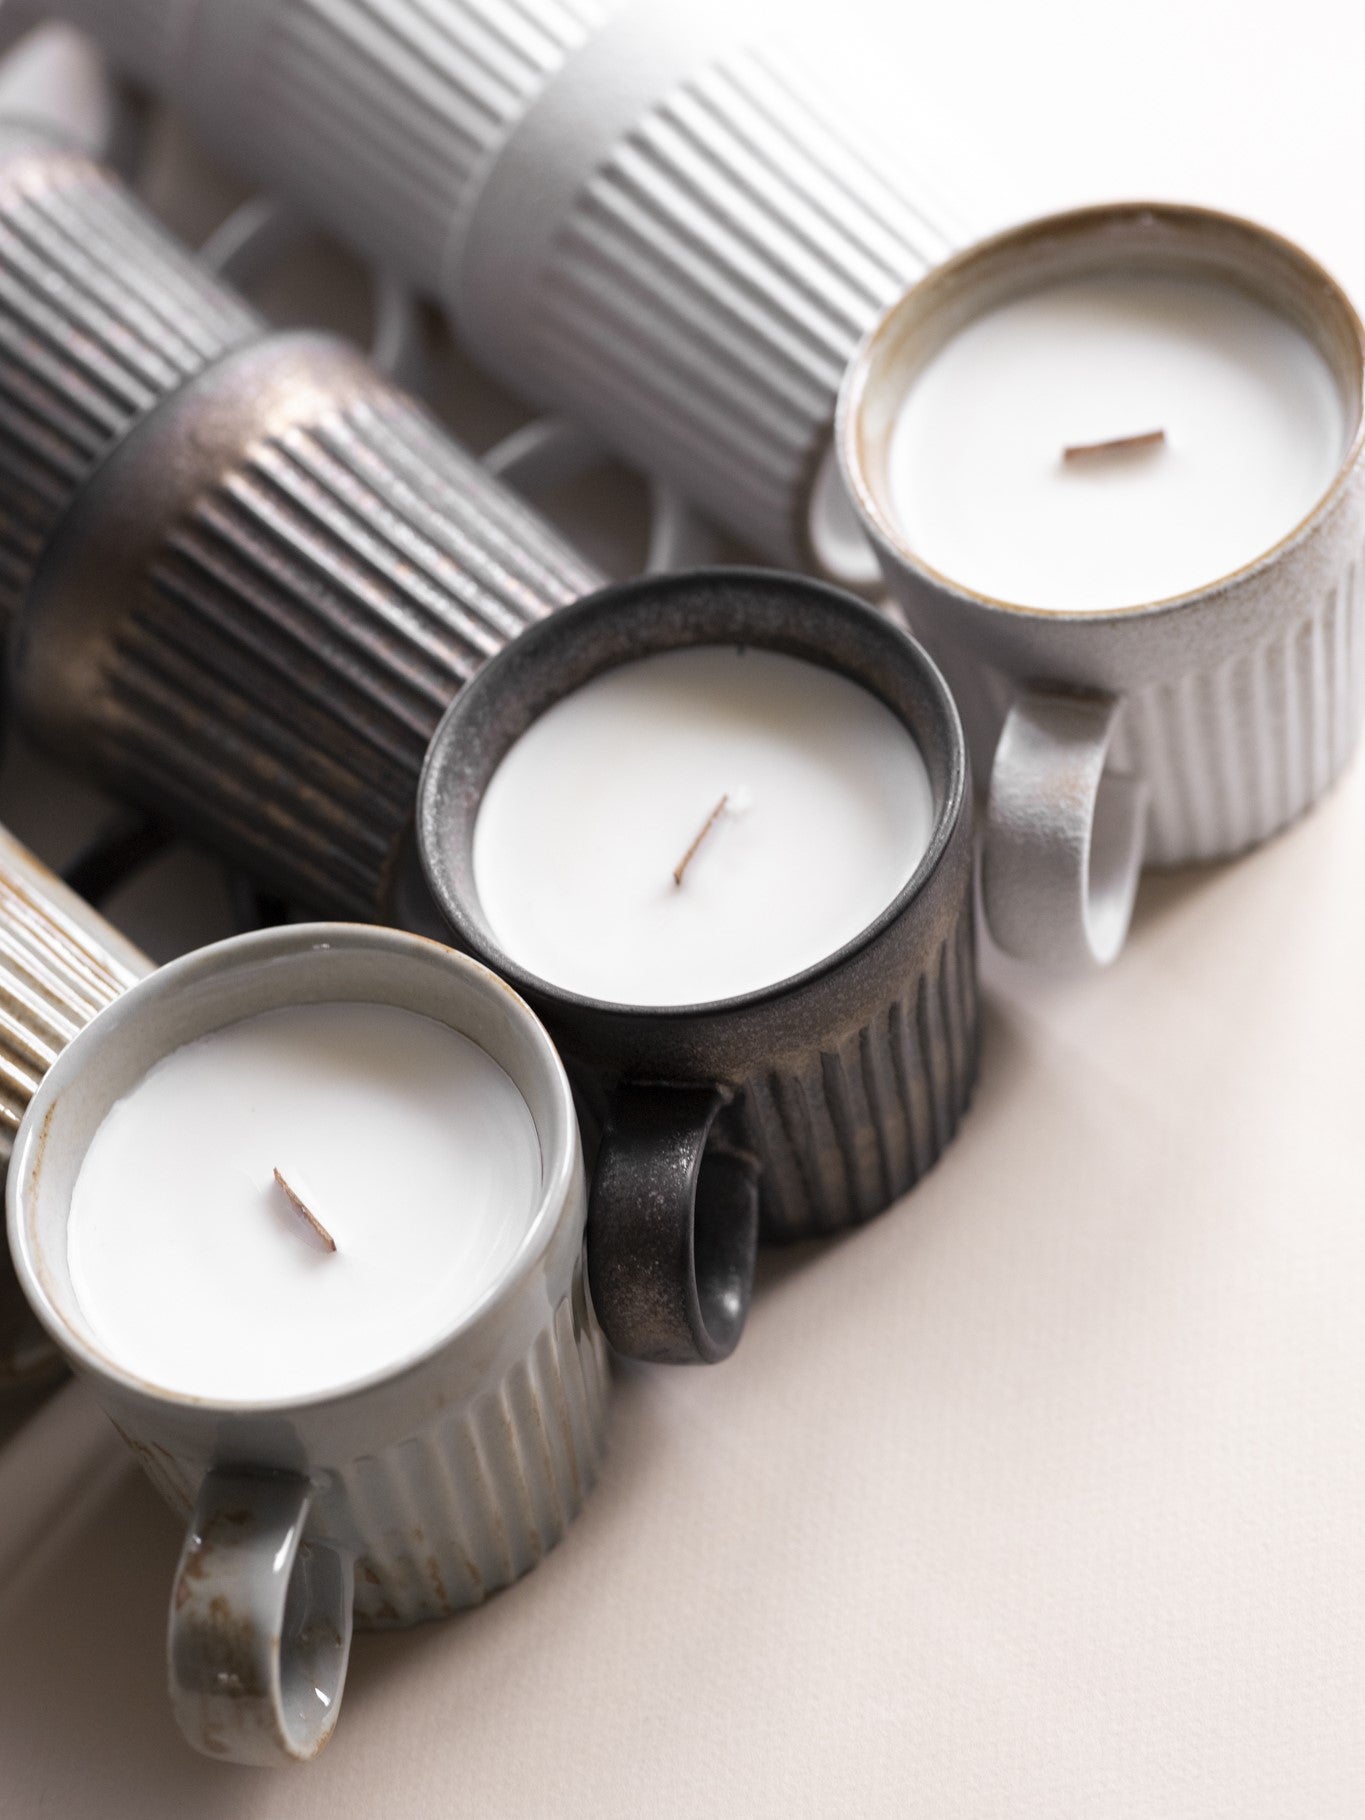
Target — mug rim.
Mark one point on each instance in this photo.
(849, 440)
(542, 644)
(249, 951)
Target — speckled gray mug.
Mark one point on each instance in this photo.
(401, 1497)
(1184, 729)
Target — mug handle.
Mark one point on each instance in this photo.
(672, 1227)
(260, 1623)
(1064, 834)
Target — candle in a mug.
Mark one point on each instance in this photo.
(1113, 439)
(405, 1141)
(697, 824)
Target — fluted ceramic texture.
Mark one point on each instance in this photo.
(717, 272)
(275, 681)
(1235, 753)
(841, 1132)
(60, 963)
(383, 111)
(846, 1132)
(1232, 752)
(504, 1478)
(451, 1513)
(100, 316)
(373, 115)
(714, 271)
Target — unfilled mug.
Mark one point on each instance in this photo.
(823, 1093)
(419, 1486)
(1183, 727)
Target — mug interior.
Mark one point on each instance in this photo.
(620, 625)
(220, 986)
(1165, 240)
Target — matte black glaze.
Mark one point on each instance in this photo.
(840, 1086)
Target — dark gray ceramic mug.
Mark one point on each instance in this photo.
(806, 1106)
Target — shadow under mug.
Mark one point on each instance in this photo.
(807, 1105)
(402, 1496)
(1183, 729)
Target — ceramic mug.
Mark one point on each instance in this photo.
(402, 1497)
(814, 1102)
(651, 218)
(60, 963)
(243, 573)
(1183, 729)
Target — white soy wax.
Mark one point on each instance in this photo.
(1253, 430)
(408, 1143)
(808, 802)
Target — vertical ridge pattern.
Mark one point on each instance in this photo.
(1232, 753)
(302, 630)
(437, 86)
(1236, 753)
(60, 964)
(543, 1425)
(505, 1475)
(710, 279)
(849, 1132)
(378, 114)
(704, 298)
(100, 316)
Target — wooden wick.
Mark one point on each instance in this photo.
(1117, 445)
(305, 1212)
(705, 829)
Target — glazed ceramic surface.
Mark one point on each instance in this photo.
(646, 216)
(248, 574)
(406, 1496)
(1198, 725)
(60, 964)
(829, 1094)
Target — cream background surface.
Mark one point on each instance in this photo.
(1044, 1495)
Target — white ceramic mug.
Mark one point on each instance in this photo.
(1186, 728)
(401, 1497)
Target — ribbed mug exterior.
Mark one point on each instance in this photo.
(61, 963)
(101, 316)
(695, 298)
(260, 572)
(844, 1085)
(636, 214)
(840, 1128)
(449, 1476)
(1231, 750)
(1239, 703)
(460, 1500)
(378, 117)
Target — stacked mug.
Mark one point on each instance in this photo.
(1153, 630)
(247, 578)
(256, 589)
(652, 219)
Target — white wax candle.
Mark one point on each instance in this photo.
(828, 811)
(1254, 431)
(408, 1142)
